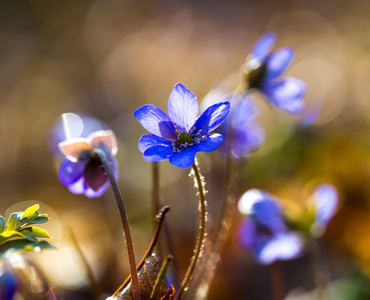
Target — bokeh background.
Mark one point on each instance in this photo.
(106, 58)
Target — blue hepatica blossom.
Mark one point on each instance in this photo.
(264, 232)
(82, 170)
(179, 135)
(264, 69)
(245, 135)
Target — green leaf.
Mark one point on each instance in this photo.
(25, 246)
(31, 212)
(35, 232)
(2, 224)
(38, 220)
(14, 221)
(6, 235)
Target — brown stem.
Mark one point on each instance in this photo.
(277, 281)
(126, 227)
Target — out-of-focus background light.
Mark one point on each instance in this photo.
(105, 58)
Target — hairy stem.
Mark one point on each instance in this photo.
(126, 227)
(201, 233)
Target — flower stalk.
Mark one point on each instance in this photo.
(202, 226)
(126, 227)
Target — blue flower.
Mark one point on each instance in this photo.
(264, 69)
(179, 135)
(82, 170)
(241, 130)
(264, 233)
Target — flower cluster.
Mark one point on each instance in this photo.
(265, 232)
(179, 135)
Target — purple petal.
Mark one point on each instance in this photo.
(326, 203)
(69, 172)
(212, 117)
(263, 47)
(158, 153)
(278, 62)
(183, 159)
(155, 121)
(246, 140)
(282, 247)
(77, 187)
(150, 140)
(91, 193)
(243, 112)
(247, 234)
(212, 142)
(182, 107)
(286, 94)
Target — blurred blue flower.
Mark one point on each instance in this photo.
(264, 233)
(264, 69)
(9, 285)
(82, 170)
(179, 135)
(324, 202)
(240, 129)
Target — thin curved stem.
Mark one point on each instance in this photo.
(202, 226)
(159, 219)
(321, 270)
(126, 227)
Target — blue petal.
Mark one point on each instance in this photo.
(247, 234)
(150, 140)
(183, 159)
(182, 108)
(282, 247)
(69, 172)
(243, 112)
(157, 153)
(246, 140)
(278, 62)
(286, 94)
(263, 208)
(268, 213)
(155, 121)
(212, 117)
(326, 203)
(212, 142)
(263, 47)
